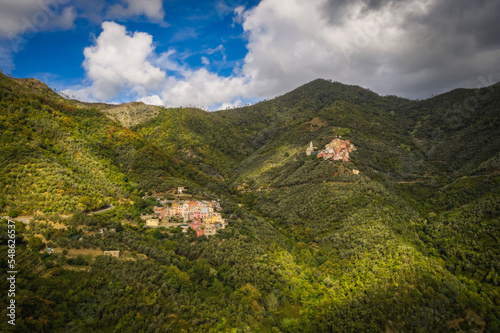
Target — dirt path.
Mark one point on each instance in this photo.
(76, 252)
(101, 210)
(23, 219)
(410, 181)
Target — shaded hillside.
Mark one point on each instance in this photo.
(208, 140)
(458, 130)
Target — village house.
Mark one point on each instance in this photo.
(152, 223)
(204, 212)
(210, 229)
(195, 216)
(115, 254)
(211, 219)
(196, 226)
(207, 229)
(215, 205)
(193, 206)
(161, 212)
(180, 210)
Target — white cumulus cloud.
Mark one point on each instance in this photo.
(120, 62)
(409, 48)
(151, 100)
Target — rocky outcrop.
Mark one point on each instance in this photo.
(130, 114)
(127, 114)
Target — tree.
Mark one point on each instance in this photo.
(119, 227)
(35, 243)
(14, 213)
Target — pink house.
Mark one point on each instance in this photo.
(161, 212)
(196, 226)
(195, 216)
(204, 213)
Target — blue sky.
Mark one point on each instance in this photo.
(214, 54)
(191, 31)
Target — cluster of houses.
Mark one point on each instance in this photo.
(201, 215)
(337, 150)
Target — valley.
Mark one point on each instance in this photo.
(392, 227)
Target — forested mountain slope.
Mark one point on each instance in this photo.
(59, 158)
(408, 244)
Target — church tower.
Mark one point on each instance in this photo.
(310, 149)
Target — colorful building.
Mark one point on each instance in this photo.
(337, 150)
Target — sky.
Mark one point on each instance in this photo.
(224, 53)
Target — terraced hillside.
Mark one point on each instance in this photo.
(410, 243)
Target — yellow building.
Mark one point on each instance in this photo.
(213, 218)
(210, 220)
(152, 223)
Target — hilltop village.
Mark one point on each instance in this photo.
(337, 150)
(201, 216)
